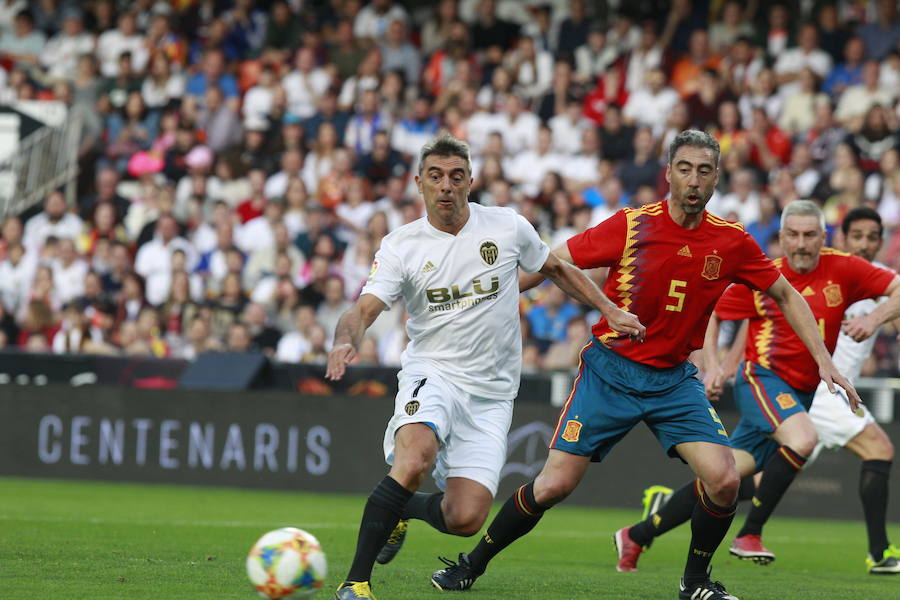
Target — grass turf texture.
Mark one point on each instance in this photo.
(67, 539)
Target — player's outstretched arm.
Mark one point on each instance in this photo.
(862, 327)
(713, 375)
(577, 284)
(349, 333)
(798, 314)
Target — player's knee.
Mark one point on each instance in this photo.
(723, 488)
(552, 491)
(875, 444)
(410, 471)
(804, 443)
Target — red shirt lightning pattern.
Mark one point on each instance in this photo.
(669, 276)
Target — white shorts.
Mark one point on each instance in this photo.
(833, 420)
(471, 430)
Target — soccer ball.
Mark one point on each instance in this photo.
(287, 563)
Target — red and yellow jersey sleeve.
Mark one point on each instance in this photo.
(601, 245)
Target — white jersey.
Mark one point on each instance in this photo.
(462, 295)
(850, 355)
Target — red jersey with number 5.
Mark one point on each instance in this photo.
(669, 276)
(838, 281)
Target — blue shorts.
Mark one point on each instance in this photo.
(612, 394)
(765, 401)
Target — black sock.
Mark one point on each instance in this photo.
(778, 473)
(709, 524)
(873, 490)
(426, 507)
(518, 516)
(677, 510)
(747, 489)
(380, 516)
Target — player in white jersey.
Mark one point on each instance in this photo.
(457, 271)
(860, 433)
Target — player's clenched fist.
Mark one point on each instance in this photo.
(627, 323)
(338, 359)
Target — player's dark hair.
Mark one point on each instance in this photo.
(695, 139)
(445, 145)
(862, 213)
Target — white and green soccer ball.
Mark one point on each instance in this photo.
(287, 563)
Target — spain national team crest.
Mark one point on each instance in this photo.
(785, 401)
(712, 264)
(833, 295)
(489, 252)
(412, 407)
(572, 431)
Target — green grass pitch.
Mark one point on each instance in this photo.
(93, 541)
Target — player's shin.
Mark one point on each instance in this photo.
(380, 516)
(677, 510)
(778, 473)
(709, 524)
(517, 517)
(873, 491)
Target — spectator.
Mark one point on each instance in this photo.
(305, 84)
(212, 73)
(259, 233)
(574, 29)
(328, 112)
(294, 344)
(874, 139)
(733, 24)
(154, 259)
(238, 339)
(806, 54)
(703, 105)
(372, 20)
(616, 137)
(55, 220)
(263, 337)
(218, 121)
(61, 51)
(380, 164)
(16, 273)
(643, 168)
(25, 45)
(857, 100)
(291, 168)
(799, 110)
(833, 34)
(365, 123)
(409, 135)
(686, 72)
(549, 319)
(848, 72)
(398, 54)
(568, 127)
(198, 340)
(769, 146)
(883, 33)
(282, 29)
(112, 43)
(444, 64)
(437, 27)
(648, 106)
(489, 29)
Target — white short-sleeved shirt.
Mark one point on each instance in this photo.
(462, 295)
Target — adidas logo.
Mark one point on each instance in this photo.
(685, 251)
(807, 291)
(429, 267)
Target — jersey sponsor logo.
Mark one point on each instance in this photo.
(833, 295)
(429, 267)
(412, 407)
(572, 431)
(685, 251)
(489, 252)
(441, 294)
(785, 401)
(712, 264)
(807, 291)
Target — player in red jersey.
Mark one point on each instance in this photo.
(776, 383)
(669, 264)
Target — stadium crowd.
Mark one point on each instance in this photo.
(241, 160)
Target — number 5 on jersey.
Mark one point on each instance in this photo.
(677, 293)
